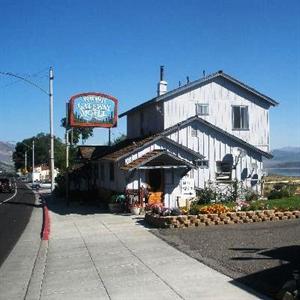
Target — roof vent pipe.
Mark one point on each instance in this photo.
(162, 85)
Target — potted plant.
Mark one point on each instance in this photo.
(135, 208)
(116, 203)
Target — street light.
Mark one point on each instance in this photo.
(50, 94)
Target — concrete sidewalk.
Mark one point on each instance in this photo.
(104, 256)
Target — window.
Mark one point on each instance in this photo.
(202, 164)
(102, 175)
(111, 172)
(202, 109)
(194, 132)
(240, 117)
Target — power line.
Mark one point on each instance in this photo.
(25, 79)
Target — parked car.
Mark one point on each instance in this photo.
(7, 185)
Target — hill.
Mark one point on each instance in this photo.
(6, 151)
(286, 157)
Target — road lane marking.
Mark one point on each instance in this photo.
(16, 191)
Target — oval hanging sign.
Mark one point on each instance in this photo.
(93, 110)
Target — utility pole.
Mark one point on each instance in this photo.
(50, 94)
(67, 165)
(109, 136)
(32, 161)
(26, 161)
(51, 77)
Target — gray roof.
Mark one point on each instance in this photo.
(200, 81)
(218, 129)
(132, 147)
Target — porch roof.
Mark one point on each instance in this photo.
(131, 147)
(157, 159)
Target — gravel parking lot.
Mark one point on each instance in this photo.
(261, 255)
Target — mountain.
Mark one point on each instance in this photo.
(286, 157)
(6, 151)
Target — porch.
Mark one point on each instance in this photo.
(159, 177)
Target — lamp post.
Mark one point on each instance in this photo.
(51, 77)
(50, 94)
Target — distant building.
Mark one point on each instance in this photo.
(42, 173)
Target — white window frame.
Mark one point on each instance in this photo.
(202, 109)
(194, 132)
(202, 164)
(244, 124)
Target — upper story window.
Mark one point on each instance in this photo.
(240, 117)
(202, 109)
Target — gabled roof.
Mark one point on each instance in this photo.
(218, 129)
(202, 81)
(134, 146)
(157, 158)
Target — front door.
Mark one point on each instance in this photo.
(155, 180)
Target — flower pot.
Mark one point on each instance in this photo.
(135, 210)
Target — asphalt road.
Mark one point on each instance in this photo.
(14, 216)
(262, 256)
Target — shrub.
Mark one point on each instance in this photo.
(60, 187)
(175, 212)
(166, 212)
(155, 208)
(251, 195)
(194, 209)
(281, 190)
(206, 195)
(241, 205)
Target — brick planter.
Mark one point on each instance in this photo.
(240, 217)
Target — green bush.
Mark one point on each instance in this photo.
(251, 196)
(282, 190)
(194, 209)
(206, 195)
(60, 187)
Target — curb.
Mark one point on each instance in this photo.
(34, 287)
(46, 223)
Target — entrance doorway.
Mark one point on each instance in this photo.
(155, 180)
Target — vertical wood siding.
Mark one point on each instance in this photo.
(221, 96)
(214, 146)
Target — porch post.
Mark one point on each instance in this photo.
(139, 186)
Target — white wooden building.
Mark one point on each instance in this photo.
(215, 129)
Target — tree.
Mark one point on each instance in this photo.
(41, 151)
(119, 139)
(84, 132)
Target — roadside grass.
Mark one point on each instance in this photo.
(283, 204)
(286, 203)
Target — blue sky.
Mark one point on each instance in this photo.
(116, 47)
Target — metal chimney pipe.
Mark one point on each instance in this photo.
(161, 73)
